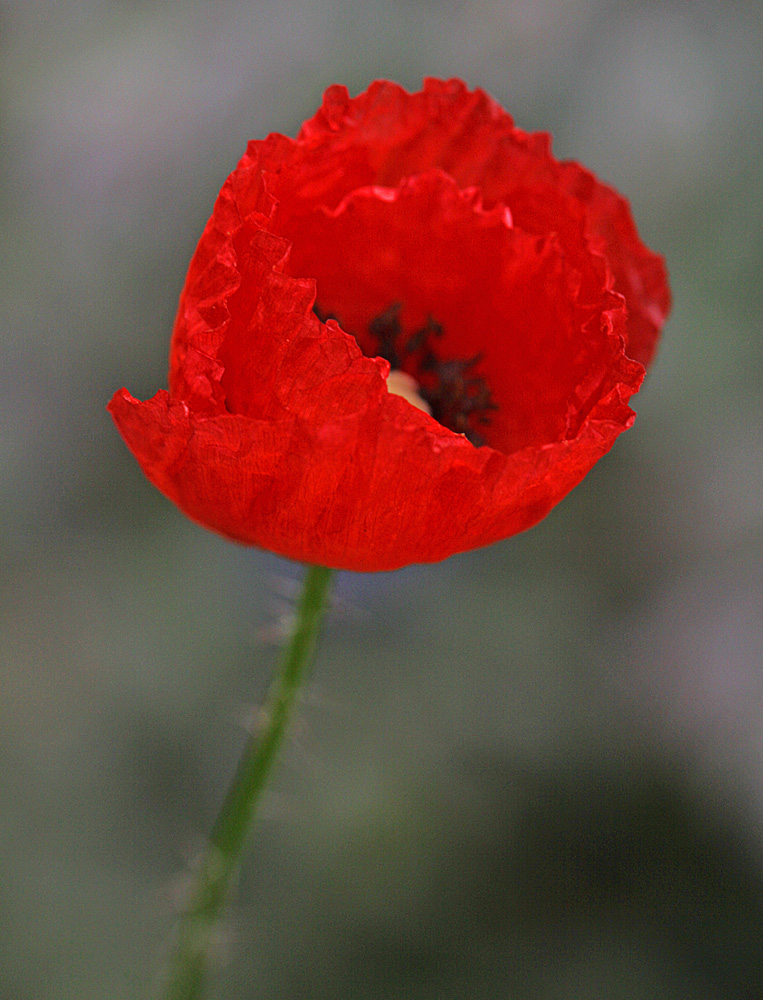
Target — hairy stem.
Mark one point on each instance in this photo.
(200, 920)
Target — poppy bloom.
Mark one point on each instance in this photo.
(406, 333)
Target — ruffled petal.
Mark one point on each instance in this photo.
(386, 134)
(549, 334)
(375, 491)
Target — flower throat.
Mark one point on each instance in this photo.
(457, 398)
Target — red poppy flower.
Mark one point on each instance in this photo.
(509, 294)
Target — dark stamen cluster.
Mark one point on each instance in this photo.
(457, 397)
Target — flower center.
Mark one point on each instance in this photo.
(448, 389)
(400, 383)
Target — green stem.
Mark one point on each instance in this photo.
(200, 919)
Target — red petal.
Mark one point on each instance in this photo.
(386, 134)
(549, 334)
(375, 491)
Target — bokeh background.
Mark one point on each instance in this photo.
(534, 771)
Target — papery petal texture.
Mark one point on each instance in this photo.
(278, 429)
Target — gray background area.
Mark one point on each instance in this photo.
(533, 771)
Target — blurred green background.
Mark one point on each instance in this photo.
(533, 771)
